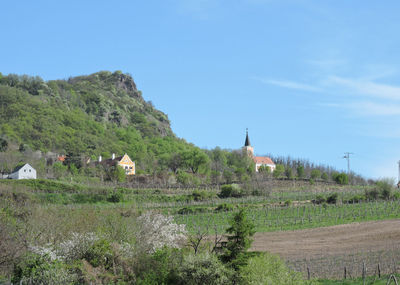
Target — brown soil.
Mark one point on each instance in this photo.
(327, 241)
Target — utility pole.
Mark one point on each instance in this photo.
(347, 156)
(399, 171)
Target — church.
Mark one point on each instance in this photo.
(258, 160)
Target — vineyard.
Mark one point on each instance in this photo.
(278, 218)
(371, 263)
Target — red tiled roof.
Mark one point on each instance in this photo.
(263, 160)
(61, 158)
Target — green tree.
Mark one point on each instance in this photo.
(239, 241)
(218, 163)
(315, 174)
(117, 174)
(300, 171)
(289, 172)
(279, 170)
(73, 158)
(341, 178)
(325, 176)
(194, 159)
(59, 169)
(175, 162)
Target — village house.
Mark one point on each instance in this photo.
(124, 161)
(23, 172)
(260, 161)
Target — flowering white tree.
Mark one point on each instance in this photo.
(156, 231)
(76, 247)
(71, 249)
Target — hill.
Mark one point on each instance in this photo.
(101, 113)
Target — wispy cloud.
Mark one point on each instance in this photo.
(290, 84)
(365, 88)
(374, 109)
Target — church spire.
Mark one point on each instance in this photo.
(247, 141)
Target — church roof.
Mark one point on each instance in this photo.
(247, 141)
(263, 160)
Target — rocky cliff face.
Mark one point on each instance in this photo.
(114, 97)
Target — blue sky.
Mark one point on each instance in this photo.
(309, 78)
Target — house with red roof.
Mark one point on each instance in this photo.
(260, 161)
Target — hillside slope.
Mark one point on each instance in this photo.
(101, 113)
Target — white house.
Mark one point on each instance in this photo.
(23, 172)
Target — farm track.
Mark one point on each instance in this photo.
(330, 241)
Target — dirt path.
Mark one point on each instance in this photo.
(335, 240)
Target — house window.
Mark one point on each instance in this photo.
(24, 170)
(126, 167)
(130, 167)
(29, 170)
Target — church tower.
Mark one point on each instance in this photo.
(247, 147)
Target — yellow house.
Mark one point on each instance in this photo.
(124, 161)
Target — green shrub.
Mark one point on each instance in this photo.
(115, 197)
(371, 195)
(332, 199)
(183, 177)
(325, 176)
(204, 269)
(385, 187)
(188, 210)
(159, 268)
(319, 199)
(224, 208)
(185, 211)
(230, 190)
(355, 199)
(279, 170)
(396, 196)
(202, 195)
(266, 268)
(315, 174)
(340, 178)
(300, 171)
(288, 203)
(99, 254)
(38, 269)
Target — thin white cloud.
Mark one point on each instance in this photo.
(290, 84)
(364, 87)
(374, 109)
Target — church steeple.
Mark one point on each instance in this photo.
(247, 141)
(247, 146)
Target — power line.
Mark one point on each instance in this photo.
(347, 156)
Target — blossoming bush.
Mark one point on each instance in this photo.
(156, 231)
(76, 247)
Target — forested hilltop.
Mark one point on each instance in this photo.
(85, 117)
(101, 113)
